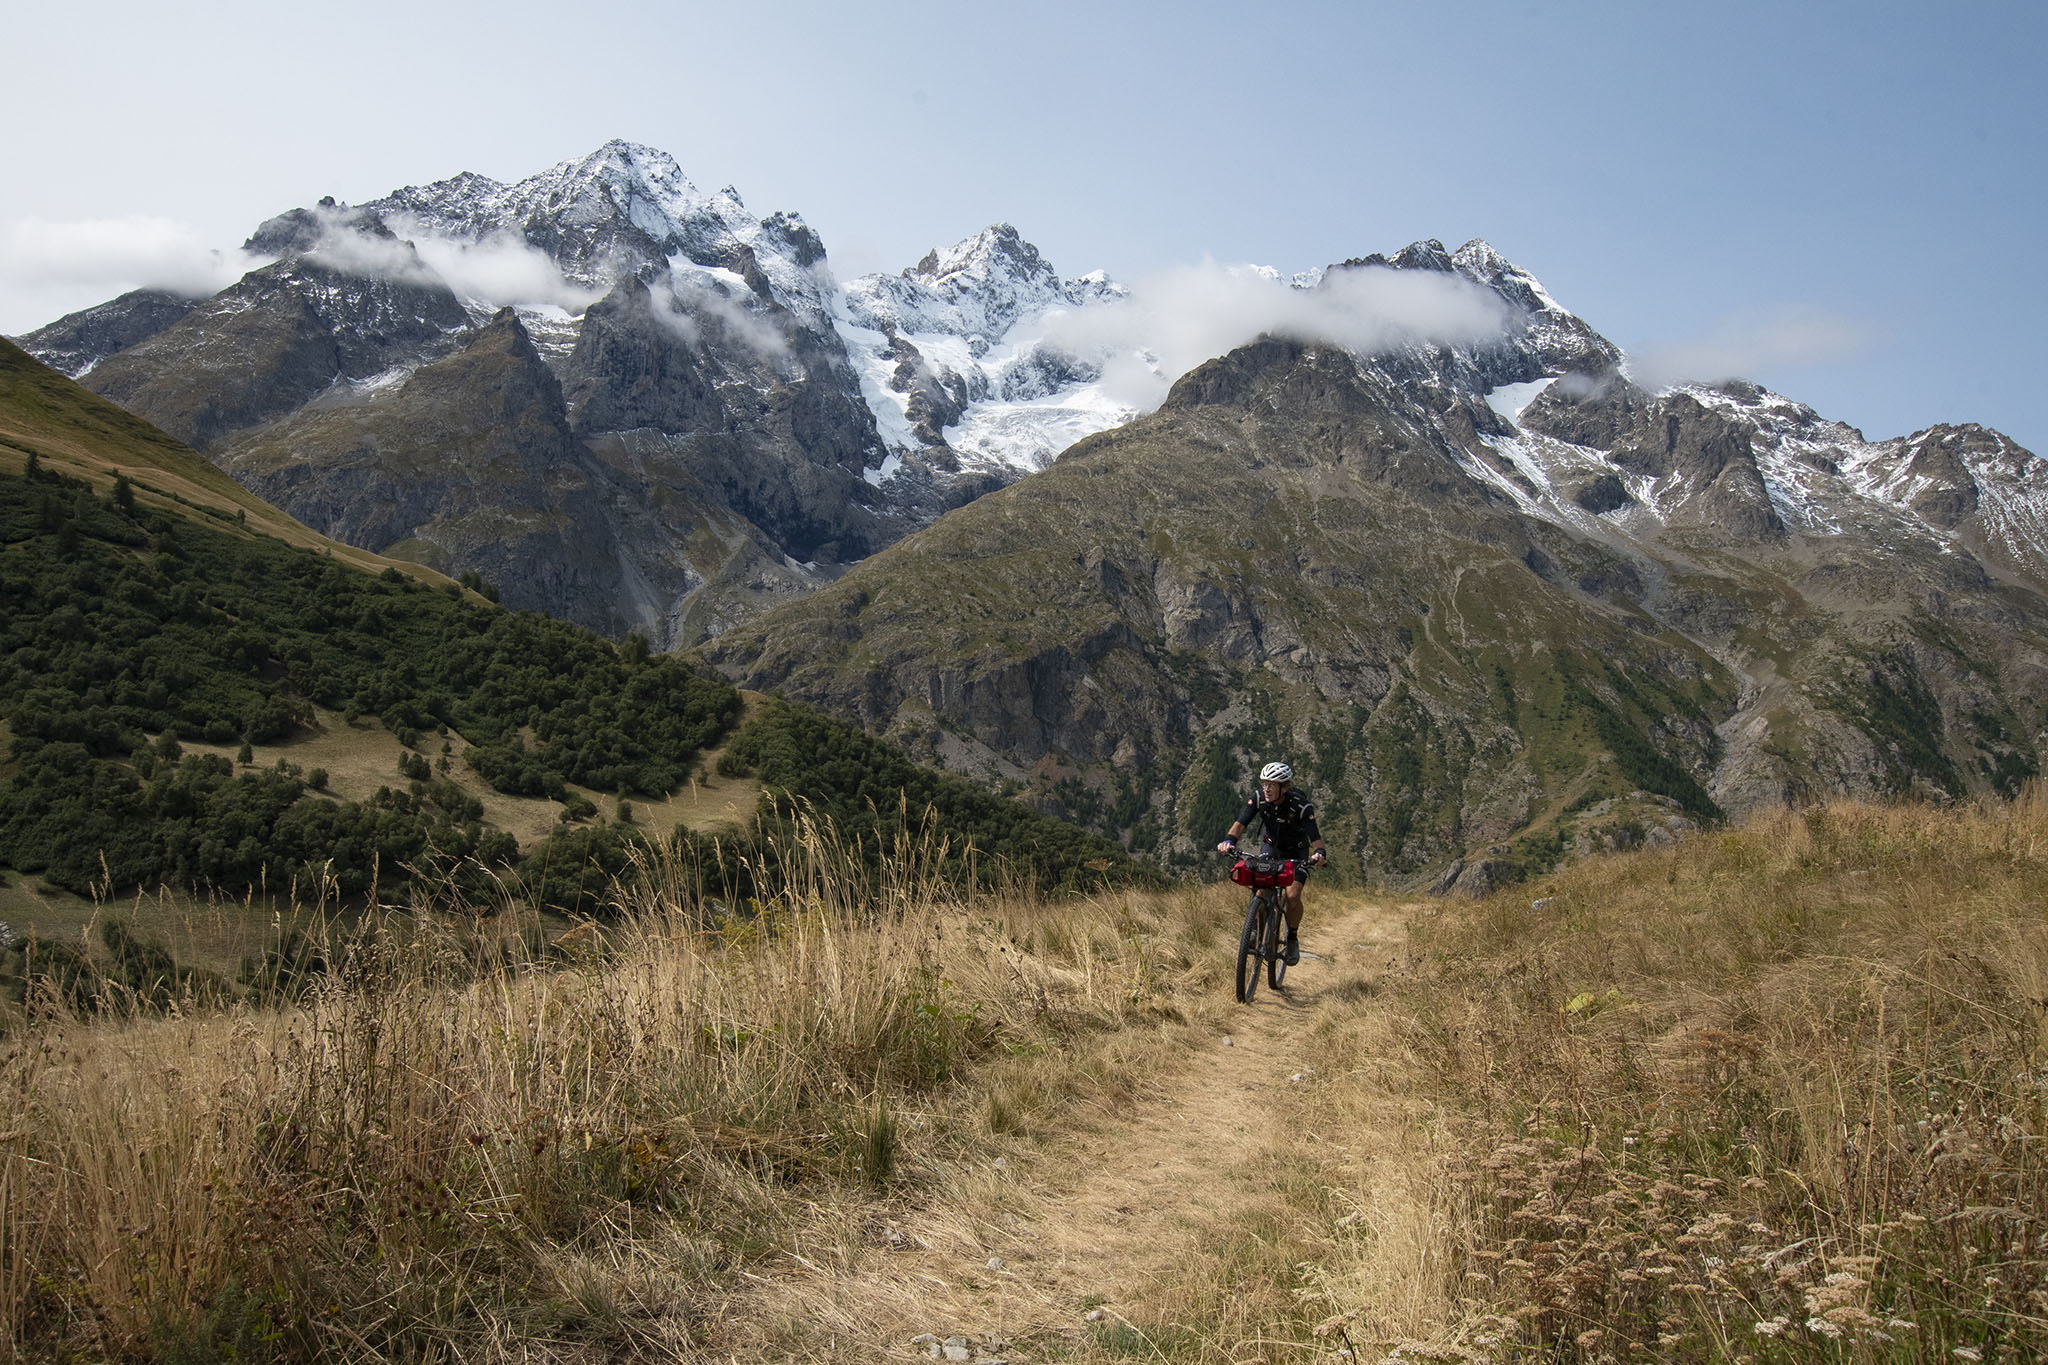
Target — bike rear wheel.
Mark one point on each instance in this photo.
(1249, 946)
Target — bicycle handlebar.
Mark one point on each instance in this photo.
(1271, 862)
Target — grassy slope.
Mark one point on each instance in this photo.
(1769, 1094)
(76, 432)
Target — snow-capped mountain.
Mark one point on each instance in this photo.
(1407, 513)
(955, 354)
(749, 424)
(1494, 597)
(1770, 468)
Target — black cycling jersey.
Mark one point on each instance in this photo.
(1290, 822)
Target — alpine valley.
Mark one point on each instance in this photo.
(1494, 600)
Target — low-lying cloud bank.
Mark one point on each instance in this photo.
(1180, 318)
(115, 255)
(100, 258)
(499, 270)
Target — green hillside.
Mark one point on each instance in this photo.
(154, 636)
(74, 431)
(1131, 633)
(1293, 558)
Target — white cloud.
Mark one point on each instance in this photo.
(1749, 345)
(499, 270)
(687, 300)
(341, 247)
(113, 255)
(1174, 321)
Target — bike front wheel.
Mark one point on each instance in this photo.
(1276, 950)
(1249, 944)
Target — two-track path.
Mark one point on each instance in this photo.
(1013, 1256)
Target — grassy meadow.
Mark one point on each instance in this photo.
(441, 1155)
(1777, 1093)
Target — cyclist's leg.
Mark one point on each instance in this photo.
(1293, 908)
(1294, 891)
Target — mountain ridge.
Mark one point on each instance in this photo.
(1458, 656)
(1519, 587)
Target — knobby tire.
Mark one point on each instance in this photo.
(1248, 946)
(1276, 950)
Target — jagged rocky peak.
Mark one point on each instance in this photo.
(297, 231)
(599, 217)
(1966, 447)
(1947, 472)
(79, 341)
(1476, 259)
(623, 209)
(979, 287)
(620, 182)
(1428, 254)
(995, 250)
(1542, 339)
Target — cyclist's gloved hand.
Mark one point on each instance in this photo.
(1319, 857)
(1227, 846)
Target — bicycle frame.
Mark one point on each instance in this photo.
(1263, 918)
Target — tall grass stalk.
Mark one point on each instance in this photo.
(1774, 1093)
(434, 1153)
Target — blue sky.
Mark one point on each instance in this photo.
(1843, 201)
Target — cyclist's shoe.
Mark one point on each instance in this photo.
(1292, 955)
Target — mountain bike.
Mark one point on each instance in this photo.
(1264, 921)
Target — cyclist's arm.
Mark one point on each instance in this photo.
(1315, 836)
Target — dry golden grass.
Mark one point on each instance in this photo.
(1773, 1094)
(425, 1160)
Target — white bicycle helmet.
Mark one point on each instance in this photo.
(1276, 772)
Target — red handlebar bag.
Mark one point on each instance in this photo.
(1246, 876)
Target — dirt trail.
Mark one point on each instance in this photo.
(1014, 1257)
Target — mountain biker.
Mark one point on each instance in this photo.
(1288, 820)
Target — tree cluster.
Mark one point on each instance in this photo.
(125, 629)
(875, 794)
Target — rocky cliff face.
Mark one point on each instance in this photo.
(76, 343)
(468, 462)
(713, 449)
(712, 366)
(1493, 601)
